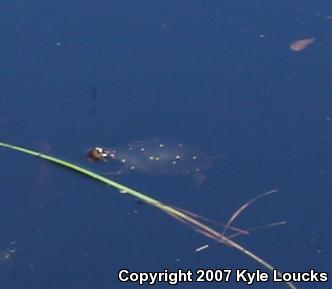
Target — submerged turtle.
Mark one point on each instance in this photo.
(154, 157)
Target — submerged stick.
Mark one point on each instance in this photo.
(181, 215)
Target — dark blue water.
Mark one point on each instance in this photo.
(216, 75)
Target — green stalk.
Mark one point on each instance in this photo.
(183, 216)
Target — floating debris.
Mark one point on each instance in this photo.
(301, 44)
(201, 248)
